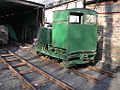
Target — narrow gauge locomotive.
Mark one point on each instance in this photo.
(72, 37)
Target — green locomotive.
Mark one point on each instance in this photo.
(72, 37)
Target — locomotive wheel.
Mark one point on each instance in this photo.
(66, 64)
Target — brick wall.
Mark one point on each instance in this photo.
(109, 30)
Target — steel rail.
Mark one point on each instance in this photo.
(87, 76)
(102, 71)
(42, 72)
(72, 70)
(24, 82)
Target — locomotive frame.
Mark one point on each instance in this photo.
(72, 37)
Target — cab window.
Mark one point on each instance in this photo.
(90, 19)
(76, 18)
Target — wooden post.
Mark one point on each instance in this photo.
(84, 1)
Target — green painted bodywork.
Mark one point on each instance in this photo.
(44, 35)
(81, 38)
(74, 43)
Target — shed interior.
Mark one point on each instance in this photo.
(24, 17)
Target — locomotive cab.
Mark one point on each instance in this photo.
(73, 37)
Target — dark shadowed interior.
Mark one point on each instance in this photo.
(24, 17)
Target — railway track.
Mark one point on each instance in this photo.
(27, 84)
(87, 76)
(24, 82)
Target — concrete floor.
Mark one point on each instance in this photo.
(7, 82)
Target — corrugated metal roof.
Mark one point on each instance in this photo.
(50, 1)
(46, 2)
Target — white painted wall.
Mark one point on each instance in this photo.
(49, 13)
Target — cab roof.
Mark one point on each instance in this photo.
(78, 10)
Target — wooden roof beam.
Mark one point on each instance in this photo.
(28, 3)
